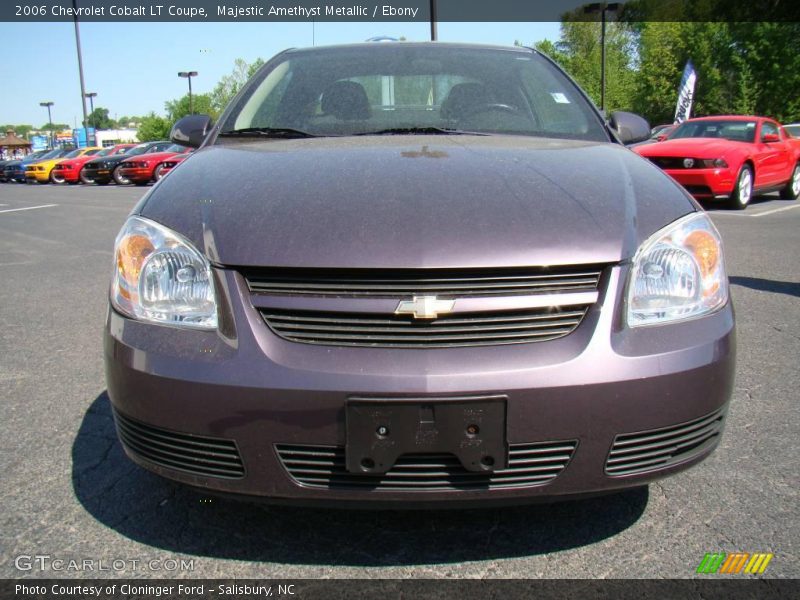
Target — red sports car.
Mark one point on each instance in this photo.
(165, 167)
(730, 158)
(143, 169)
(69, 170)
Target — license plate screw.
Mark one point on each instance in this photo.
(473, 429)
(382, 431)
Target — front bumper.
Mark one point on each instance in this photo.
(98, 175)
(247, 389)
(137, 175)
(38, 176)
(705, 183)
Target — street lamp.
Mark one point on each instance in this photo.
(49, 119)
(188, 75)
(91, 96)
(602, 8)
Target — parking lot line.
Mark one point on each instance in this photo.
(775, 210)
(8, 210)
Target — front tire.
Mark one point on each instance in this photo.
(157, 172)
(85, 178)
(120, 178)
(57, 178)
(792, 189)
(743, 192)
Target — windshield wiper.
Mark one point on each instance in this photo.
(420, 131)
(272, 132)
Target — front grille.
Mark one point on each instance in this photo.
(634, 453)
(669, 162)
(210, 457)
(400, 331)
(444, 283)
(528, 465)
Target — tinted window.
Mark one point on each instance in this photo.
(374, 87)
(793, 130)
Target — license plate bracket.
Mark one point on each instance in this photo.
(379, 431)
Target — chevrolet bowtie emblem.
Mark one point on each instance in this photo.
(424, 307)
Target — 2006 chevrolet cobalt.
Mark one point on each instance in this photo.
(417, 274)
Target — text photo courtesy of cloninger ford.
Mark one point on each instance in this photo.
(423, 298)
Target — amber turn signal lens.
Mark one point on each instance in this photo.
(705, 249)
(131, 254)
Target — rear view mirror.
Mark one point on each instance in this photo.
(191, 130)
(630, 127)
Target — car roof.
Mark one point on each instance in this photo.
(729, 118)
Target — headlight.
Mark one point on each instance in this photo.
(678, 273)
(160, 277)
(713, 163)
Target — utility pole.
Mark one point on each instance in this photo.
(434, 32)
(91, 96)
(89, 142)
(188, 75)
(602, 8)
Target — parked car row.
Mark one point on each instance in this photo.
(729, 158)
(138, 164)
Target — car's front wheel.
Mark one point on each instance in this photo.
(157, 172)
(57, 178)
(120, 178)
(85, 178)
(792, 189)
(743, 191)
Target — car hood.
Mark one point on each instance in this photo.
(416, 202)
(106, 159)
(692, 147)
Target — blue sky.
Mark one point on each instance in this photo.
(133, 66)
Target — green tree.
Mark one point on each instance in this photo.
(578, 51)
(20, 130)
(153, 127)
(54, 127)
(201, 104)
(99, 119)
(230, 84)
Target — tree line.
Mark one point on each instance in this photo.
(742, 68)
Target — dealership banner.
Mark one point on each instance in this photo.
(686, 93)
(392, 10)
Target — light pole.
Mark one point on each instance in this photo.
(602, 8)
(188, 75)
(48, 104)
(434, 33)
(91, 96)
(89, 142)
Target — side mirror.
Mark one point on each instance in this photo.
(630, 128)
(769, 138)
(191, 130)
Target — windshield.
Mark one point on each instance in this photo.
(734, 130)
(140, 149)
(73, 154)
(398, 88)
(793, 130)
(176, 148)
(50, 154)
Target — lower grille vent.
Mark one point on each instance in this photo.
(529, 465)
(658, 448)
(210, 457)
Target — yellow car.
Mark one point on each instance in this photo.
(41, 171)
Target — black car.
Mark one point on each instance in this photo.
(102, 170)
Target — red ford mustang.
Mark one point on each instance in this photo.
(730, 158)
(68, 171)
(165, 167)
(145, 168)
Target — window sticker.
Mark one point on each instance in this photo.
(560, 98)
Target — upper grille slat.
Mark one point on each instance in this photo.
(324, 467)
(441, 282)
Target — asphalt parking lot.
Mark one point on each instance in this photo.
(69, 492)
